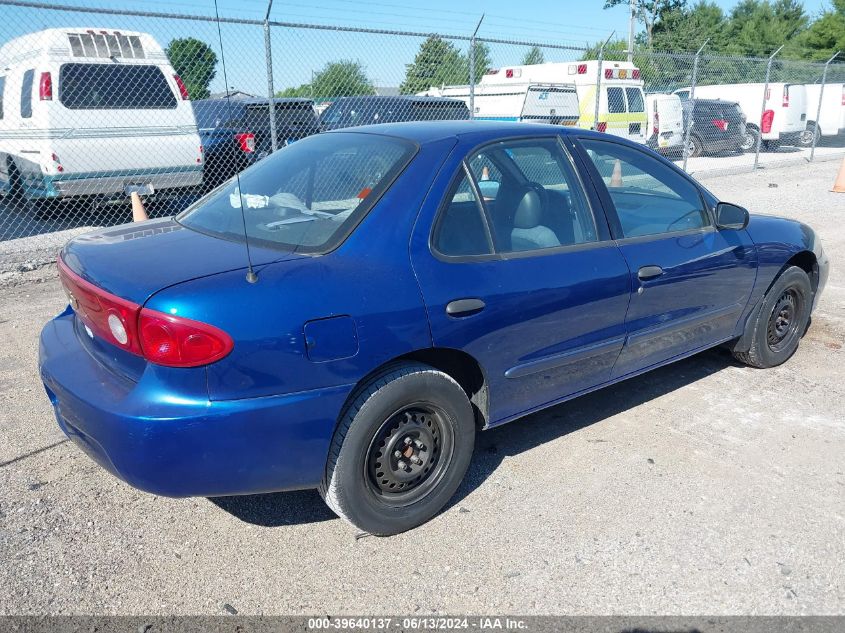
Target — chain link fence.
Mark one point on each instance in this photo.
(96, 103)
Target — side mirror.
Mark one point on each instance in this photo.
(731, 216)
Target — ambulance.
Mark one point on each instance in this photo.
(556, 104)
(621, 100)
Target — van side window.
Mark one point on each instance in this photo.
(615, 100)
(2, 90)
(635, 100)
(26, 94)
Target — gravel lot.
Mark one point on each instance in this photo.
(701, 488)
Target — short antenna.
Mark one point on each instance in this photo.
(251, 276)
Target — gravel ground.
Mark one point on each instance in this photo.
(702, 488)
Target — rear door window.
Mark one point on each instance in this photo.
(615, 100)
(635, 100)
(26, 94)
(114, 87)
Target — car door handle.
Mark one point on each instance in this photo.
(464, 307)
(649, 272)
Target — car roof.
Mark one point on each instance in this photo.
(430, 131)
(397, 98)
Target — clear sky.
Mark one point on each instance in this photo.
(299, 52)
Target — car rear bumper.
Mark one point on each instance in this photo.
(67, 185)
(167, 443)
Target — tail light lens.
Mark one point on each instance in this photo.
(786, 96)
(183, 90)
(721, 124)
(160, 338)
(602, 126)
(246, 142)
(45, 87)
(766, 121)
(177, 342)
(656, 129)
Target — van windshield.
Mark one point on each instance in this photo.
(305, 197)
(114, 87)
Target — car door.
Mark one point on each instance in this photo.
(691, 281)
(516, 268)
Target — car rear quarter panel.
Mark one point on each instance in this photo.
(367, 279)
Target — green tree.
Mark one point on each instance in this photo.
(482, 62)
(826, 34)
(437, 63)
(303, 90)
(757, 27)
(343, 78)
(533, 56)
(649, 12)
(194, 61)
(687, 28)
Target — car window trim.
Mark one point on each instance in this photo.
(602, 240)
(601, 189)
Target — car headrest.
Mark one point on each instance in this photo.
(529, 213)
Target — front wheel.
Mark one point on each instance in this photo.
(805, 139)
(781, 321)
(749, 139)
(400, 451)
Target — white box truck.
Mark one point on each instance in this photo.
(90, 111)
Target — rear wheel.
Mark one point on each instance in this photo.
(17, 198)
(805, 139)
(781, 321)
(695, 147)
(749, 139)
(401, 449)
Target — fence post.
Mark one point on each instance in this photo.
(268, 56)
(598, 81)
(763, 107)
(693, 81)
(472, 68)
(819, 108)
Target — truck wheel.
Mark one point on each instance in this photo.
(400, 451)
(781, 321)
(749, 139)
(695, 147)
(805, 139)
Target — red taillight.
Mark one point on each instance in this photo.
(608, 73)
(656, 128)
(160, 338)
(786, 96)
(843, 95)
(766, 121)
(635, 74)
(721, 124)
(182, 89)
(582, 69)
(45, 87)
(246, 142)
(177, 342)
(602, 126)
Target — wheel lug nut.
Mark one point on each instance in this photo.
(418, 444)
(397, 454)
(407, 441)
(401, 464)
(416, 460)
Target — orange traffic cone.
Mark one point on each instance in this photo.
(616, 177)
(139, 213)
(839, 185)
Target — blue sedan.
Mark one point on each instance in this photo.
(346, 313)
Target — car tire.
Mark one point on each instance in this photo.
(17, 197)
(695, 147)
(749, 140)
(781, 321)
(401, 449)
(805, 139)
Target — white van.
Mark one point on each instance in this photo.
(783, 120)
(831, 117)
(621, 98)
(556, 104)
(92, 112)
(665, 122)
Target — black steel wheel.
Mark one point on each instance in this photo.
(401, 448)
(777, 325)
(409, 454)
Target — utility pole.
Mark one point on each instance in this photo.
(631, 19)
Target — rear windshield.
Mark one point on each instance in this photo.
(114, 87)
(305, 197)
